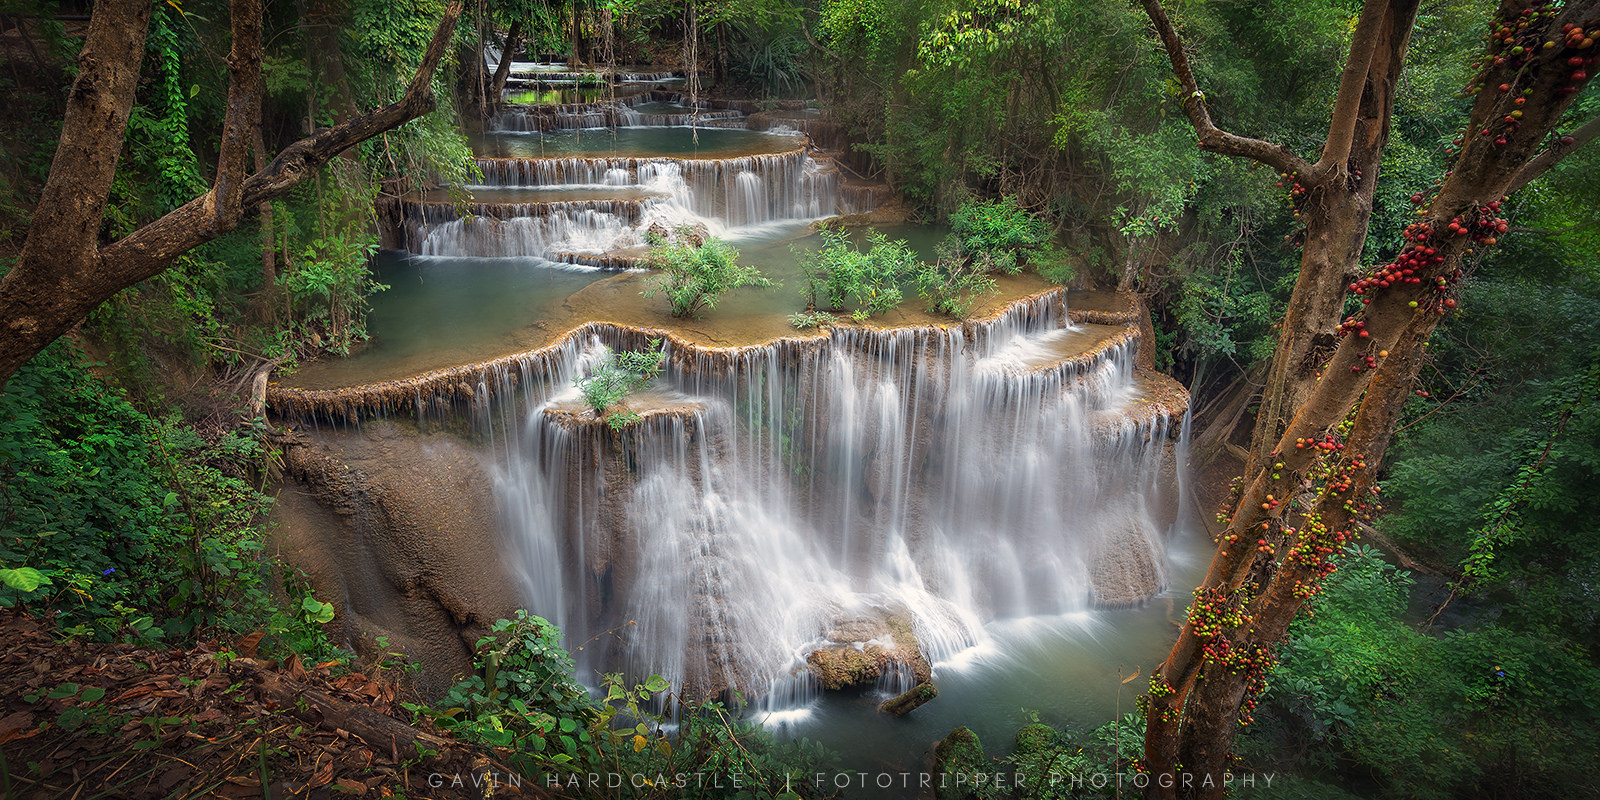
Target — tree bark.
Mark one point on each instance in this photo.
(1327, 436)
(63, 273)
(502, 70)
(59, 252)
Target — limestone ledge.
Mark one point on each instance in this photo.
(441, 389)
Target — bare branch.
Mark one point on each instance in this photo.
(1194, 104)
(1539, 164)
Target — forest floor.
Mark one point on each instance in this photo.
(89, 720)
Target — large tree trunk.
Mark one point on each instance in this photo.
(1337, 211)
(64, 272)
(63, 238)
(1277, 548)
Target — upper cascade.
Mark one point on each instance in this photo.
(555, 191)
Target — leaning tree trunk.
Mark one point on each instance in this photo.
(1329, 439)
(502, 70)
(63, 272)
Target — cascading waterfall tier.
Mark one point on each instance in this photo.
(715, 193)
(948, 476)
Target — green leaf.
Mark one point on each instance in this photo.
(63, 691)
(656, 683)
(92, 694)
(319, 611)
(23, 579)
(171, 500)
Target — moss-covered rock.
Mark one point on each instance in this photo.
(960, 767)
(859, 649)
(1035, 738)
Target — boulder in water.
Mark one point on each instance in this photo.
(861, 649)
(960, 769)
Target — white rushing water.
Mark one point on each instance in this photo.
(952, 477)
(720, 195)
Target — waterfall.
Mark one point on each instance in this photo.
(716, 193)
(953, 475)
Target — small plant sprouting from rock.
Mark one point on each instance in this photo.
(619, 375)
(694, 277)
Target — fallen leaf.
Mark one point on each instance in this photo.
(323, 776)
(249, 642)
(350, 785)
(17, 725)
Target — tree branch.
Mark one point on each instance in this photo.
(146, 251)
(60, 276)
(1550, 157)
(1194, 104)
(1352, 85)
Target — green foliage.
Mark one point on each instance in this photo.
(954, 281)
(133, 527)
(523, 697)
(840, 274)
(812, 319)
(330, 284)
(1000, 233)
(1484, 711)
(617, 376)
(1050, 762)
(1221, 312)
(694, 277)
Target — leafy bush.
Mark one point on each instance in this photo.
(1484, 712)
(952, 284)
(617, 376)
(812, 319)
(523, 697)
(131, 527)
(329, 287)
(523, 694)
(840, 273)
(999, 234)
(695, 278)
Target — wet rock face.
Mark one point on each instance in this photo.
(399, 531)
(861, 649)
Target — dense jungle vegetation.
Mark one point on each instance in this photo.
(1455, 650)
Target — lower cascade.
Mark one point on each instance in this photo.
(900, 483)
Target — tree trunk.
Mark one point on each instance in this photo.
(59, 254)
(1276, 549)
(502, 70)
(574, 59)
(1336, 214)
(63, 273)
(269, 277)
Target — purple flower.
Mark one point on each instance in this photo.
(108, 571)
